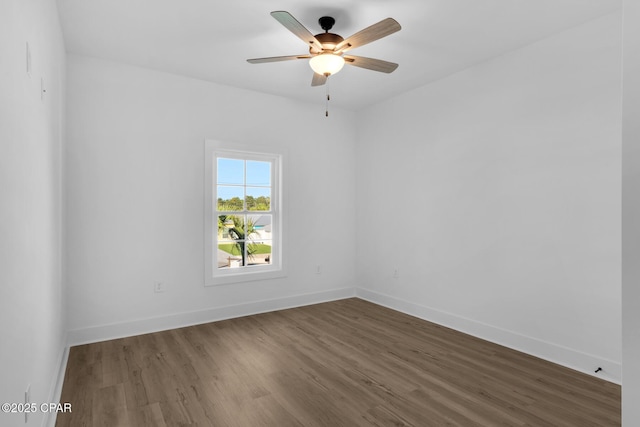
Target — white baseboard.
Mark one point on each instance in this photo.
(56, 390)
(179, 320)
(586, 363)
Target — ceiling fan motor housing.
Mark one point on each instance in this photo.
(329, 40)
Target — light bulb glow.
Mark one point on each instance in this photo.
(326, 63)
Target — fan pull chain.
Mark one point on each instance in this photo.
(326, 113)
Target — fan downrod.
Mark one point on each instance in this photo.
(326, 23)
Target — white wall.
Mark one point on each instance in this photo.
(496, 192)
(631, 217)
(135, 184)
(31, 305)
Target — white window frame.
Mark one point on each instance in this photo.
(213, 275)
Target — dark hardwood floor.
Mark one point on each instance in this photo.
(342, 363)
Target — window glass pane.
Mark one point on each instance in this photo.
(258, 199)
(259, 252)
(230, 171)
(259, 234)
(258, 173)
(230, 243)
(230, 198)
(229, 255)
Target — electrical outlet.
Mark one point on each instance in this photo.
(158, 287)
(396, 273)
(318, 269)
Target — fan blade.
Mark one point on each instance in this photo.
(369, 34)
(277, 59)
(371, 63)
(292, 24)
(318, 79)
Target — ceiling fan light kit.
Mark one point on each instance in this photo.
(326, 50)
(326, 64)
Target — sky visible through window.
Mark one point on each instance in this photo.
(236, 176)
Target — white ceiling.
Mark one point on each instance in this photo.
(211, 39)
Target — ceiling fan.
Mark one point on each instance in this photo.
(326, 50)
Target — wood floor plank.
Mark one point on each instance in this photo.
(342, 363)
(146, 415)
(109, 408)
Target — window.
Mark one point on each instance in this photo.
(243, 213)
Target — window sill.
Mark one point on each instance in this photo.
(243, 276)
